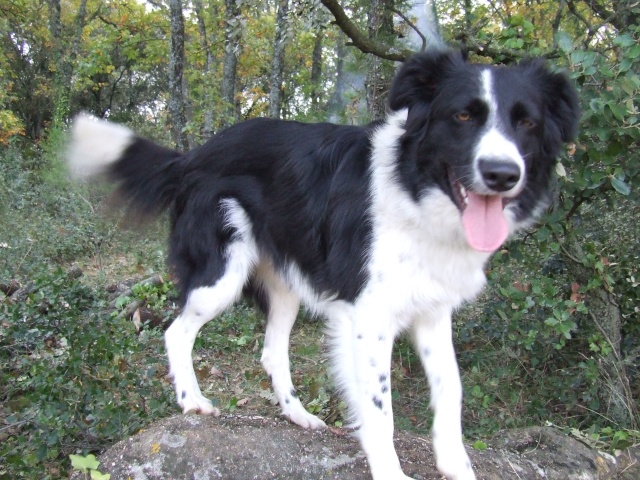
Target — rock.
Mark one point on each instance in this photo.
(254, 447)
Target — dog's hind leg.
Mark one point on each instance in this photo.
(203, 304)
(206, 302)
(432, 337)
(283, 306)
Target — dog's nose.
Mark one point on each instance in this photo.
(499, 175)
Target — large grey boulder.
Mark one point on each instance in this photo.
(254, 447)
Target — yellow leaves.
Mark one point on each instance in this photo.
(10, 126)
(99, 85)
(155, 448)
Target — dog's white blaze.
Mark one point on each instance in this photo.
(493, 143)
(96, 144)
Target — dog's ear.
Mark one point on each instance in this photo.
(562, 106)
(417, 80)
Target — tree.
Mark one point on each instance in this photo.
(232, 36)
(380, 71)
(336, 104)
(176, 67)
(360, 39)
(207, 127)
(277, 65)
(316, 69)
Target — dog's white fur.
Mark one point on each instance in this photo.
(95, 145)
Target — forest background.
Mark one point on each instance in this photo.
(555, 339)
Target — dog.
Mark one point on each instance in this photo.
(379, 229)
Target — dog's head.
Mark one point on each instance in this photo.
(487, 136)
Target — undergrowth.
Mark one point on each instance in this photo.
(73, 377)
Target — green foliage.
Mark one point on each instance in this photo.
(479, 445)
(154, 297)
(606, 438)
(89, 466)
(68, 376)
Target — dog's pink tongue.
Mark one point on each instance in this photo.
(484, 223)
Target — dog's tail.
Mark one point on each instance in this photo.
(147, 174)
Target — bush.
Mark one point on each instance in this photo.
(73, 377)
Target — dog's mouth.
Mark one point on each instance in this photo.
(483, 220)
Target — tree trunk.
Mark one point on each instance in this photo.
(276, 89)
(380, 72)
(614, 388)
(616, 397)
(55, 29)
(207, 127)
(336, 102)
(176, 68)
(316, 69)
(232, 37)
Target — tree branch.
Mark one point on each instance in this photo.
(361, 40)
(412, 25)
(621, 18)
(505, 55)
(558, 17)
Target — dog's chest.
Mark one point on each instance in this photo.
(417, 272)
(419, 259)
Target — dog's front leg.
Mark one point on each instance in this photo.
(433, 340)
(363, 369)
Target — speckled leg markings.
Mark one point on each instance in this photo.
(369, 394)
(283, 309)
(433, 342)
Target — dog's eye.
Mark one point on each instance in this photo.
(527, 123)
(462, 116)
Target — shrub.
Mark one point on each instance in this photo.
(74, 378)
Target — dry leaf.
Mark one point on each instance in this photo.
(136, 320)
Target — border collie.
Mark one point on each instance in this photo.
(380, 229)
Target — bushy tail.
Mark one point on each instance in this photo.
(147, 174)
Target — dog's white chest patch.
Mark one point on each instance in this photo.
(419, 256)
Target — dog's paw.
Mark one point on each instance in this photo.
(304, 419)
(197, 403)
(455, 465)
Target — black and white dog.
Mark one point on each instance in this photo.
(380, 229)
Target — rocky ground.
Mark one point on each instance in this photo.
(254, 447)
